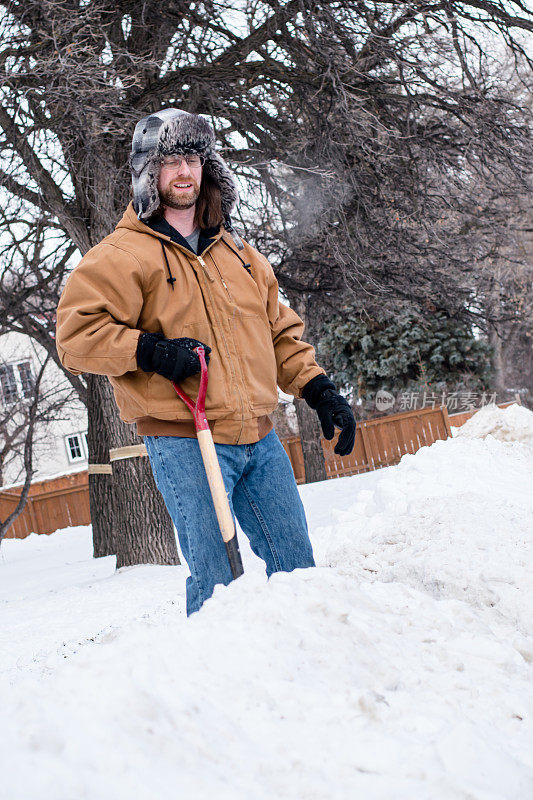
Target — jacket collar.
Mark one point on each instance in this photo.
(130, 221)
(205, 240)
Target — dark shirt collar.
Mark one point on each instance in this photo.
(160, 225)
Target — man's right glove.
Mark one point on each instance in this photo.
(172, 358)
(332, 409)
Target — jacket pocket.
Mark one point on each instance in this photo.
(258, 360)
(162, 395)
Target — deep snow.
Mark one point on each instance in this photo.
(511, 424)
(400, 667)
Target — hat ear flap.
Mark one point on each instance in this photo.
(145, 194)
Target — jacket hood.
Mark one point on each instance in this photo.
(173, 131)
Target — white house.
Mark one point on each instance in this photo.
(60, 443)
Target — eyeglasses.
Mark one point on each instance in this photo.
(192, 161)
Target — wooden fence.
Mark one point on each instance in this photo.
(60, 502)
(52, 504)
(378, 442)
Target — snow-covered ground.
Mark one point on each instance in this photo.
(400, 668)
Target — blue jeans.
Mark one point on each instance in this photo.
(263, 496)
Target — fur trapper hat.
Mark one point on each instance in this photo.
(166, 133)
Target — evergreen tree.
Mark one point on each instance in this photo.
(404, 352)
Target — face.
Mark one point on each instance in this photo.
(179, 185)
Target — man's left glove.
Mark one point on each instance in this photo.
(332, 409)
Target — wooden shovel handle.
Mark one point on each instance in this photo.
(212, 468)
(216, 484)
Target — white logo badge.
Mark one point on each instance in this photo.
(384, 400)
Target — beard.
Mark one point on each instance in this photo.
(174, 198)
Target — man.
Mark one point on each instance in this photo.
(172, 276)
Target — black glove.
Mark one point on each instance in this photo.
(172, 358)
(332, 409)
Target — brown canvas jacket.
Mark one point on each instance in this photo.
(120, 288)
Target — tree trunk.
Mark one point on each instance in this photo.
(310, 437)
(495, 341)
(144, 530)
(308, 424)
(127, 511)
(100, 486)
(497, 362)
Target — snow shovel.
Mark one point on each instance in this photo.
(212, 468)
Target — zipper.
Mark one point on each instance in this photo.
(208, 273)
(211, 279)
(225, 285)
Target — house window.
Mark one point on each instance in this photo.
(8, 383)
(26, 378)
(16, 381)
(74, 447)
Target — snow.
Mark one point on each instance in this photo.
(74, 470)
(511, 424)
(400, 668)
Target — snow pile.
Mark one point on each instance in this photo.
(511, 424)
(454, 520)
(399, 668)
